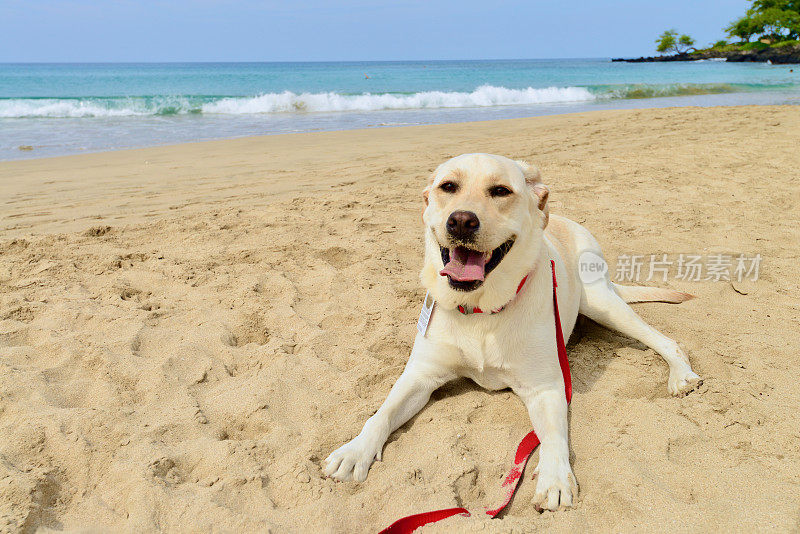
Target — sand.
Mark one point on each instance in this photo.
(186, 331)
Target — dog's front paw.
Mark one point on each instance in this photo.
(352, 460)
(555, 484)
(682, 382)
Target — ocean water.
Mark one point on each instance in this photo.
(58, 109)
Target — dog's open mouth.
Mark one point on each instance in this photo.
(466, 269)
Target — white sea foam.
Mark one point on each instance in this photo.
(304, 103)
(484, 96)
(32, 108)
(289, 102)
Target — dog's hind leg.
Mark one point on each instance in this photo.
(602, 304)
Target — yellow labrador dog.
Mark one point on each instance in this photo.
(487, 227)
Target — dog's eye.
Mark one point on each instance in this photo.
(449, 187)
(499, 191)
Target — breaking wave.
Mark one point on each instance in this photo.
(485, 96)
(676, 89)
(290, 102)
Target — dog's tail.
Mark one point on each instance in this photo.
(632, 294)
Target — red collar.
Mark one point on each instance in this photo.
(466, 311)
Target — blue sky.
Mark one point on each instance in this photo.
(317, 30)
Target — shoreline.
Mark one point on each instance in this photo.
(247, 139)
(471, 115)
(219, 143)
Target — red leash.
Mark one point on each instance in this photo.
(526, 447)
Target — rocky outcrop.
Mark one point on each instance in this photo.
(783, 55)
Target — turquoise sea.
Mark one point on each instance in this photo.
(62, 109)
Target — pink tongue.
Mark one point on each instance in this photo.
(465, 265)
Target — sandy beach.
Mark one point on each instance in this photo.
(187, 331)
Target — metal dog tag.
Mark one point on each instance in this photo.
(425, 314)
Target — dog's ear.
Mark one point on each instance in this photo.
(542, 192)
(425, 193)
(534, 180)
(427, 190)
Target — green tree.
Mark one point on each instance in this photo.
(786, 5)
(685, 42)
(777, 23)
(669, 41)
(741, 28)
(776, 19)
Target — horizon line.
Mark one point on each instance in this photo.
(167, 62)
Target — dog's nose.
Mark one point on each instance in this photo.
(463, 224)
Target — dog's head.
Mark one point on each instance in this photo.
(484, 218)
